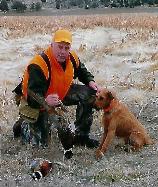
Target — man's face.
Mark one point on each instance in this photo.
(61, 51)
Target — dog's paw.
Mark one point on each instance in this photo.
(98, 154)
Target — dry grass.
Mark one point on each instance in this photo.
(20, 26)
(138, 28)
(8, 109)
(117, 168)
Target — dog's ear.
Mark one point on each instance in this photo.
(110, 95)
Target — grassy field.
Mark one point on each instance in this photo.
(21, 26)
(121, 51)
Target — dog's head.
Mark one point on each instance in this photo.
(104, 98)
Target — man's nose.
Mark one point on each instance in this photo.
(63, 50)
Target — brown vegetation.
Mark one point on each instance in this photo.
(20, 26)
(136, 86)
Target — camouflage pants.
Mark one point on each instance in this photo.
(79, 95)
(36, 133)
(83, 97)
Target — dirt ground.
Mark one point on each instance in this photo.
(116, 168)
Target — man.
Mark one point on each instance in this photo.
(53, 80)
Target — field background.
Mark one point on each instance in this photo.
(121, 50)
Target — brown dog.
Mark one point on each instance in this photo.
(119, 121)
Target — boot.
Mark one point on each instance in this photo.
(84, 140)
(17, 128)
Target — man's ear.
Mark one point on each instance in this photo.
(110, 95)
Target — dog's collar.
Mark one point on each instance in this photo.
(111, 106)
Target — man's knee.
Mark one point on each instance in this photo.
(80, 94)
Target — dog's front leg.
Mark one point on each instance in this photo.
(100, 152)
(110, 136)
(103, 139)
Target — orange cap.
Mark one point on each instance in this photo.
(62, 36)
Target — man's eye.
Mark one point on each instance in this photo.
(67, 48)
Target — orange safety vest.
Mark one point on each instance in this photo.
(60, 80)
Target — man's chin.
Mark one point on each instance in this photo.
(61, 60)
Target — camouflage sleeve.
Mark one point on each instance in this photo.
(37, 83)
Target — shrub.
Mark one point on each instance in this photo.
(38, 6)
(4, 5)
(94, 5)
(73, 3)
(58, 4)
(19, 6)
(151, 2)
(32, 6)
(86, 6)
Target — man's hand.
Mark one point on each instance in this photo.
(53, 100)
(94, 86)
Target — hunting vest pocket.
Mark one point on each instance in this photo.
(27, 113)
